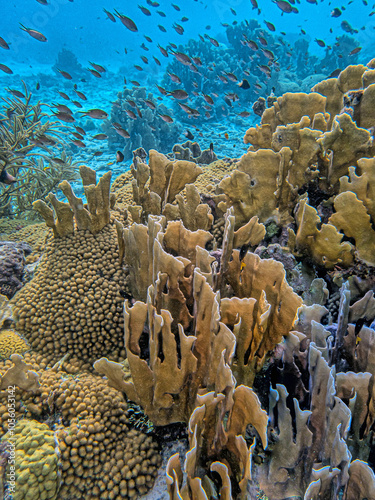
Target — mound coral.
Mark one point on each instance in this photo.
(37, 461)
(101, 457)
(73, 305)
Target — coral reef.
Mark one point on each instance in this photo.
(11, 343)
(248, 313)
(143, 124)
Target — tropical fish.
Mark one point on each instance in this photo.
(208, 99)
(16, 93)
(355, 51)
(161, 13)
(174, 77)
(321, 43)
(100, 137)
(157, 60)
(63, 95)
(78, 143)
(145, 11)
(127, 22)
(34, 33)
(178, 28)
(284, 6)
(65, 74)
(336, 12)
(161, 28)
(79, 130)
(62, 108)
(81, 95)
(119, 157)
(98, 114)
(149, 104)
(65, 117)
(176, 7)
(4, 44)
(131, 114)
(110, 15)
(78, 136)
(163, 51)
(188, 135)
(166, 118)
(6, 69)
(94, 72)
(97, 67)
(179, 94)
(6, 178)
(97, 153)
(270, 26)
(244, 84)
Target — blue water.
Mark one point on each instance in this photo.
(83, 28)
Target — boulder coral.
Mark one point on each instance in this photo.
(73, 305)
(101, 457)
(37, 462)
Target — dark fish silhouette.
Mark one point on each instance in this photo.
(127, 22)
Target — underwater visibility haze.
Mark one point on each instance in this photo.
(187, 250)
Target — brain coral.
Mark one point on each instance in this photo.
(73, 305)
(102, 458)
(37, 461)
(10, 343)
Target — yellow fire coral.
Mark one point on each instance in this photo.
(38, 474)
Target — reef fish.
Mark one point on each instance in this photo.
(98, 67)
(127, 22)
(4, 44)
(145, 10)
(34, 33)
(110, 15)
(98, 114)
(6, 178)
(284, 6)
(65, 74)
(179, 94)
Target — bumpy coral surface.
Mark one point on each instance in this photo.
(37, 462)
(73, 305)
(102, 458)
(11, 343)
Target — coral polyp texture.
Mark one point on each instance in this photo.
(73, 305)
(86, 433)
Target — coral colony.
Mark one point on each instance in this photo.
(199, 325)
